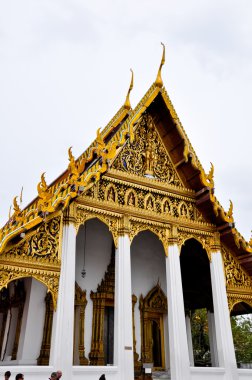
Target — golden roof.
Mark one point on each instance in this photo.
(83, 172)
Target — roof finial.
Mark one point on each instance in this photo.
(127, 104)
(159, 80)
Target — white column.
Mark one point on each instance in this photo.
(61, 356)
(179, 357)
(189, 340)
(212, 339)
(123, 333)
(224, 338)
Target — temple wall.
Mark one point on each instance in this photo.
(98, 254)
(148, 268)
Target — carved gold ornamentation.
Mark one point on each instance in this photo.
(236, 277)
(75, 168)
(44, 196)
(43, 243)
(140, 198)
(35, 256)
(207, 179)
(146, 156)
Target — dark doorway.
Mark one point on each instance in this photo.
(108, 335)
(156, 346)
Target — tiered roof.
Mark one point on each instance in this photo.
(84, 172)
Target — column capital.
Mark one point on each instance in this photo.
(124, 226)
(69, 215)
(215, 244)
(173, 236)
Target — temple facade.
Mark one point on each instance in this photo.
(103, 271)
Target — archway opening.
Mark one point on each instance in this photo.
(198, 303)
(95, 281)
(148, 276)
(22, 316)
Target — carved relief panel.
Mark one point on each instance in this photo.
(147, 156)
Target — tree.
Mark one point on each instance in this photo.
(242, 336)
(200, 339)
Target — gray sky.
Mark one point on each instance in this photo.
(64, 72)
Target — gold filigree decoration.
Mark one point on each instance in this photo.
(43, 243)
(149, 200)
(236, 277)
(146, 156)
(83, 214)
(36, 256)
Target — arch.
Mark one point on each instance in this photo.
(234, 302)
(195, 272)
(111, 193)
(200, 239)
(149, 203)
(110, 221)
(160, 232)
(167, 206)
(50, 282)
(128, 198)
(183, 210)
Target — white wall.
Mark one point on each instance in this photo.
(98, 253)
(147, 268)
(32, 322)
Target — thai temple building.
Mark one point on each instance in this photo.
(101, 273)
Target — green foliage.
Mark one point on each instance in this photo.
(200, 339)
(242, 336)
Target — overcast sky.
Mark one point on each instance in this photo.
(65, 71)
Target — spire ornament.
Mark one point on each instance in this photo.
(127, 104)
(159, 80)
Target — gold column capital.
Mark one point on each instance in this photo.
(215, 243)
(69, 216)
(124, 226)
(173, 236)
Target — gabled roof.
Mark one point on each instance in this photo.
(82, 173)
